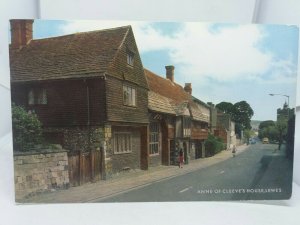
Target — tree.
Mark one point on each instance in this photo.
(270, 132)
(242, 114)
(267, 129)
(275, 131)
(266, 123)
(226, 107)
(248, 134)
(281, 126)
(27, 129)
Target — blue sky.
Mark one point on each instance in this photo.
(224, 62)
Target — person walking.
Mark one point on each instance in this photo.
(181, 160)
(233, 151)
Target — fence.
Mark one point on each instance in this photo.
(84, 167)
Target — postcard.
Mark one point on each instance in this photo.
(127, 111)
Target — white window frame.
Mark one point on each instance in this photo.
(122, 142)
(154, 139)
(129, 95)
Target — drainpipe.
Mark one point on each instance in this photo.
(88, 112)
(88, 104)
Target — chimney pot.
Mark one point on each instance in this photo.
(170, 72)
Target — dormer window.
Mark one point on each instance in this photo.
(130, 58)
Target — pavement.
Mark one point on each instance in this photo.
(125, 182)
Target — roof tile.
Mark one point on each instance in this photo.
(77, 55)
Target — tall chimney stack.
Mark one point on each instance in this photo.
(170, 73)
(21, 33)
(188, 88)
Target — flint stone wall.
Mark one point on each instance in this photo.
(40, 172)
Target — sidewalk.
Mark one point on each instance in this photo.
(128, 181)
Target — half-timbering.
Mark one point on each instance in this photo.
(177, 120)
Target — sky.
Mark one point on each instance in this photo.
(224, 62)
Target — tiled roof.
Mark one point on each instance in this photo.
(160, 103)
(199, 112)
(166, 96)
(77, 55)
(182, 109)
(166, 88)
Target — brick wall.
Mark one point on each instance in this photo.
(38, 172)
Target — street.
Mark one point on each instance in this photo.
(260, 173)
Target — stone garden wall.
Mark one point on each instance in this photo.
(40, 171)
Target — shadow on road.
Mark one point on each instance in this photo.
(275, 172)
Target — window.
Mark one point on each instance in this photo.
(130, 58)
(129, 96)
(42, 97)
(122, 143)
(30, 97)
(37, 97)
(186, 127)
(154, 139)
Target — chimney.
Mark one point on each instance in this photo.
(21, 33)
(170, 73)
(211, 104)
(188, 88)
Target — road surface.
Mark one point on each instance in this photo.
(260, 173)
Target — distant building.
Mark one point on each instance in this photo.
(285, 112)
(222, 126)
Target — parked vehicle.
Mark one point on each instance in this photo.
(265, 140)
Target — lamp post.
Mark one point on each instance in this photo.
(288, 97)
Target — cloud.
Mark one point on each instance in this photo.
(202, 51)
(228, 54)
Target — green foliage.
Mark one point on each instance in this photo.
(275, 131)
(281, 126)
(241, 113)
(266, 123)
(226, 107)
(27, 129)
(248, 134)
(214, 145)
(270, 132)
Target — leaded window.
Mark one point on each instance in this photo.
(129, 95)
(154, 139)
(37, 96)
(186, 127)
(122, 143)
